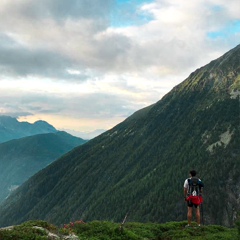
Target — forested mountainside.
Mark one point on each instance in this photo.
(11, 128)
(22, 158)
(139, 166)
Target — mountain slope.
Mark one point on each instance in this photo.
(11, 128)
(139, 166)
(22, 158)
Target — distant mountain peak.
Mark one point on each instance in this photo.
(40, 122)
(11, 128)
(44, 125)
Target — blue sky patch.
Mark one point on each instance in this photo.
(126, 13)
(230, 29)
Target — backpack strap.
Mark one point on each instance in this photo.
(189, 185)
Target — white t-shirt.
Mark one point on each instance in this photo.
(185, 185)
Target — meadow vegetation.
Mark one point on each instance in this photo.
(104, 230)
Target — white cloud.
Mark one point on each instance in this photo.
(70, 60)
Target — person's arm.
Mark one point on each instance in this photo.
(185, 193)
(201, 185)
(185, 188)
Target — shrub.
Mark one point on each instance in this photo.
(238, 227)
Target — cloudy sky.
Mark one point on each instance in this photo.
(84, 65)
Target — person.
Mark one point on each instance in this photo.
(187, 194)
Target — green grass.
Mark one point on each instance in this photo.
(103, 230)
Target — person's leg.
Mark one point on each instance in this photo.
(189, 215)
(198, 216)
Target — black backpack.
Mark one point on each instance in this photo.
(193, 186)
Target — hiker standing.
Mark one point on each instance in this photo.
(193, 188)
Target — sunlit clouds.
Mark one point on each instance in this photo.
(88, 65)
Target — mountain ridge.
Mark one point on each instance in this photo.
(130, 167)
(11, 128)
(22, 158)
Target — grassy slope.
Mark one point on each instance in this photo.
(130, 231)
(22, 158)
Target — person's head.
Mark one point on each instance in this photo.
(193, 173)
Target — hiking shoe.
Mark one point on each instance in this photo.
(188, 226)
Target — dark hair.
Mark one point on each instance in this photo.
(193, 173)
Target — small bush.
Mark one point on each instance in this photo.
(238, 228)
(25, 233)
